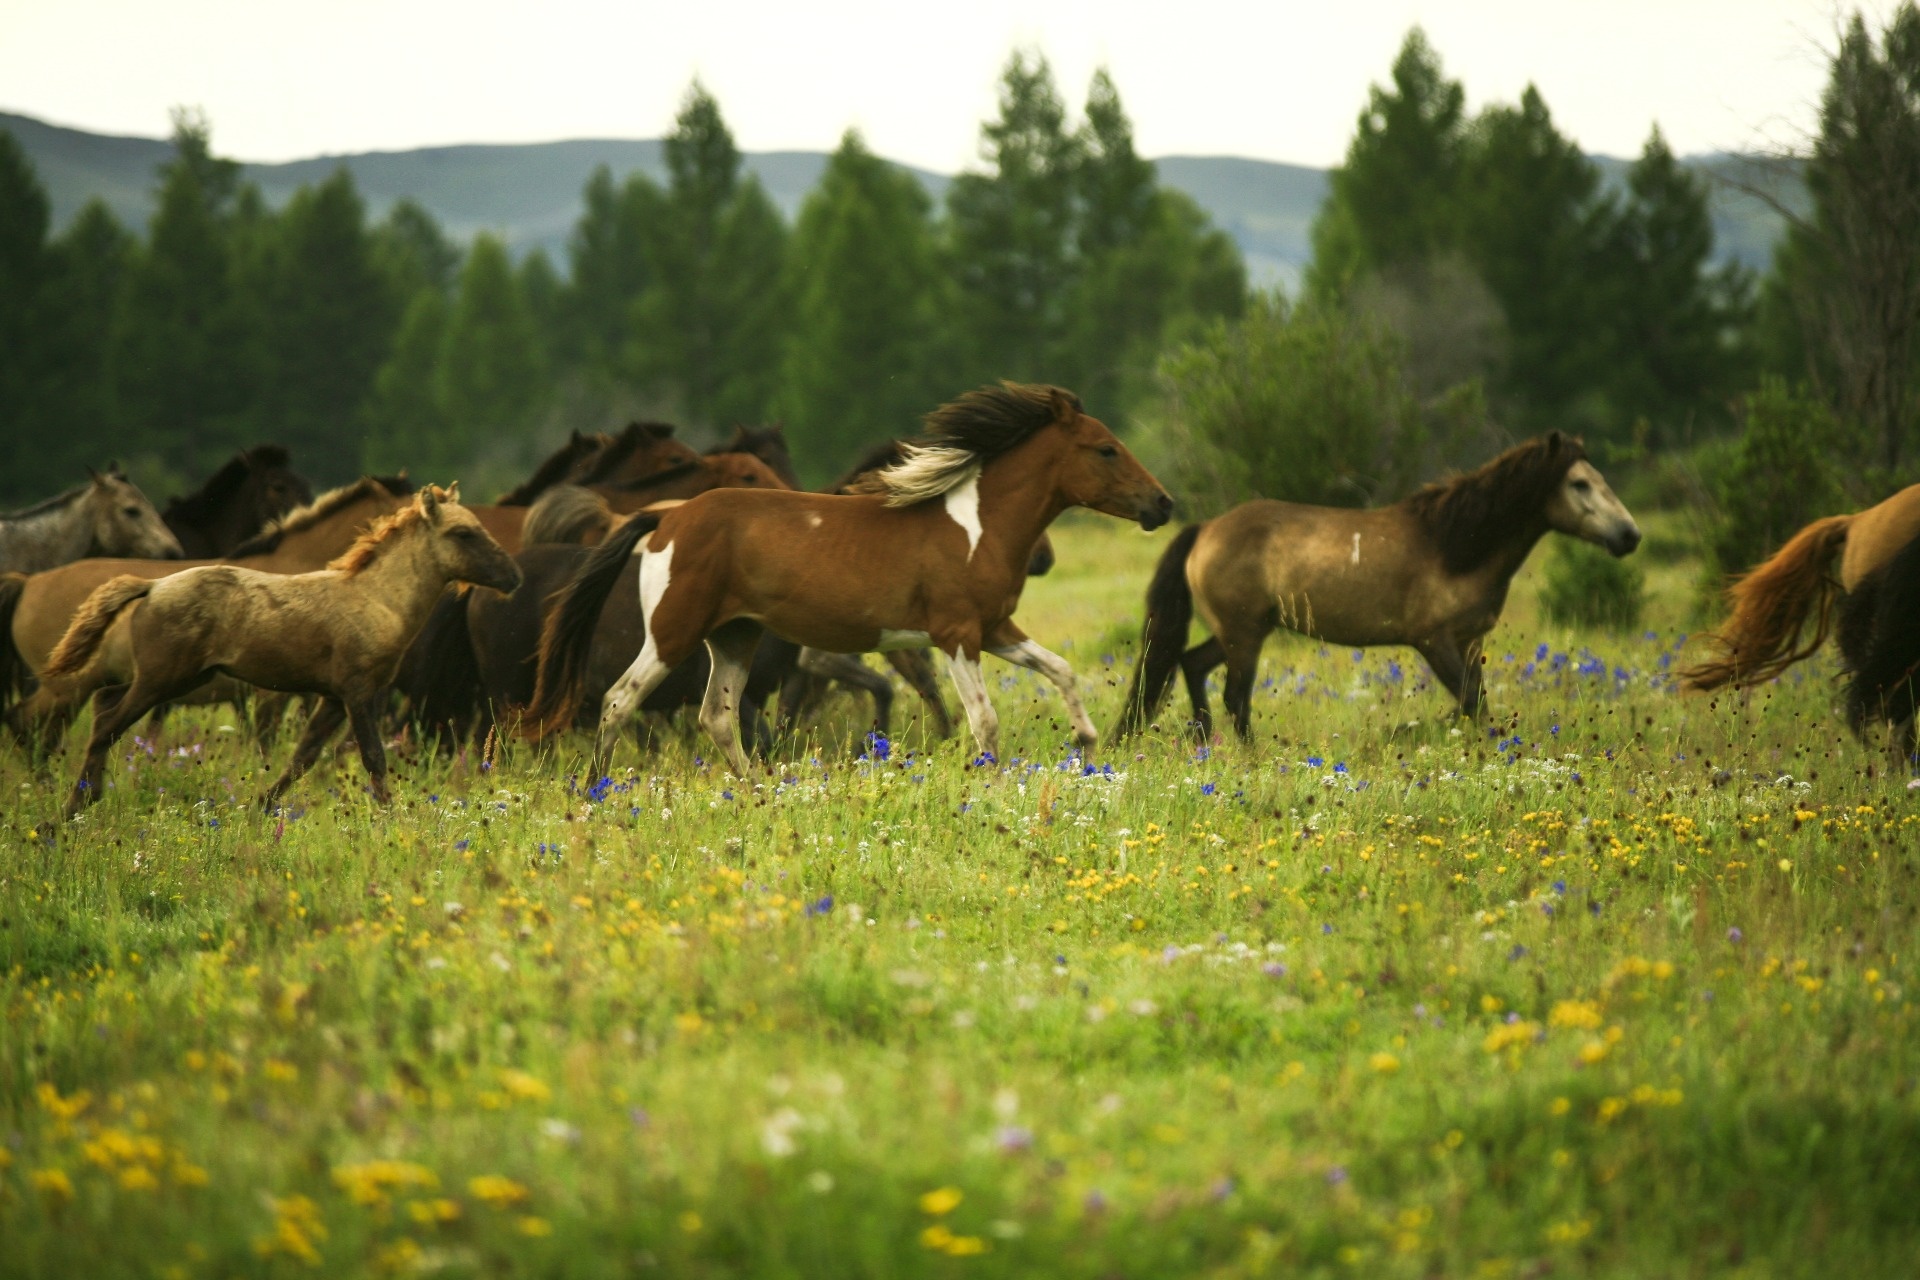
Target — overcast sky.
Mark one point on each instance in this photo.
(282, 79)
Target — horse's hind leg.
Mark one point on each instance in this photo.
(115, 708)
(326, 718)
(849, 670)
(730, 648)
(1022, 652)
(1195, 665)
(916, 668)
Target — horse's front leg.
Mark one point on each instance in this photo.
(849, 670)
(1015, 647)
(1450, 667)
(916, 668)
(373, 754)
(964, 667)
(326, 718)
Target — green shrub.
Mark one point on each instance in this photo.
(1779, 474)
(1587, 587)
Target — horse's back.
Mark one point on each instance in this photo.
(1879, 533)
(50, 599)
(1319, 570)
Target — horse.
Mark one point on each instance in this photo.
(256, 487)
(1430, 571)
(679, 479)
(36, 611)
(643, 450)
(107, 516)
(934, 555)
(337, 633)
(1770, 604)
(1879, 635)
(566, 515)
(769, 444)
(555, 469)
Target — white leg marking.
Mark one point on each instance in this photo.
(1051, 665)
(963, 507)
(973, 697)
(647, 671)
(903, 640)
(1356, 548)
(720, 710)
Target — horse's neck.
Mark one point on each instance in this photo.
(1511, 552)
(405, 579)
(1018, 500)
(46, 539)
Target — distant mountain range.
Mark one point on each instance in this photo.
(530, 193)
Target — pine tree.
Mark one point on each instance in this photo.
(87, 283)
(709, 327)
(1391, 203)
(1011, 233)
(611, 255)
(864, 274)
(326, 320)
(492, 374)
(406, 426)
(182, 345)
(413, 253)
(25, 272)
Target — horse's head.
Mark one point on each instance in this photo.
(742, 471)
(1099, 472)
(1584, 506)
(272, 487)
(769, 444)
(461, 545)
(124, 522)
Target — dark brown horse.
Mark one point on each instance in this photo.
(255, 487)
(1879, 634)
(561, 463)
(337, 633)
(1430, 571)
(936, 556)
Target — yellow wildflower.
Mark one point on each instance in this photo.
(941, 1202)
(499, 1192)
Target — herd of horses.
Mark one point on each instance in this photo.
(632, 574)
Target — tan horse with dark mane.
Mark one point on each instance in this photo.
(934, 555)
(1771, 603)
(1430, 571)
(35, 611)
(338, 633)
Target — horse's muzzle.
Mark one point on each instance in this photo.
(1157, 511)
(1624, 542)
(507, 581)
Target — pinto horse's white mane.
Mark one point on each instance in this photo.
(927, 471)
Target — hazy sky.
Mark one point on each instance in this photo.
(1284, 81)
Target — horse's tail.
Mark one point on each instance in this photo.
(1879, 636)
(1771, 604)
(14, 672)
(1163, 637)
(566, 636)
(89, 626)
(567, 514)
(441, 675)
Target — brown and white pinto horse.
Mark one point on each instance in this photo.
(1430, 571)
(1772, 602)
(935, 556)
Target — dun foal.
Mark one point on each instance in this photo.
(1430, 571)
(934, 556)
(338, 633)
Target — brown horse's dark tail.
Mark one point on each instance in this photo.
(89, 627)
(440, 676)
(1163, 637)
(15, 675)
(566, 637)
(1771, 605)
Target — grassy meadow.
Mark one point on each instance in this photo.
(1617, 984)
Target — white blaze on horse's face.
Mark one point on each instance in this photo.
(1586, 508)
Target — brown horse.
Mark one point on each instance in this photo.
(337, 633)
(936, 556)
(561, 463)
(107, 516)
(256, 487)
(1430, 571)
(1770, 605)
(36, 611)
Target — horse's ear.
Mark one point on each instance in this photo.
(1064, 403)
(453, 492)
(1555, 442)
(429, 500)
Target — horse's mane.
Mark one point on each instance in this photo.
(45, 505)
(321, 508)
(678, 471)
(752, 440)
(203, 504)
(367, 546)
(887, 453)
(1468, 514)
(624, 446)
(554, 469)
(964, 435)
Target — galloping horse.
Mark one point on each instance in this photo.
(255, 487)
(1430, 571)
(1771, 603)
(107, 516)
(36, 611)
(936, 558)
(338, 632)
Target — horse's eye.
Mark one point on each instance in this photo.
(131, 512)
(1108, 451)
(1581, 486)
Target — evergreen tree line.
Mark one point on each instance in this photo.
(379, 345)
